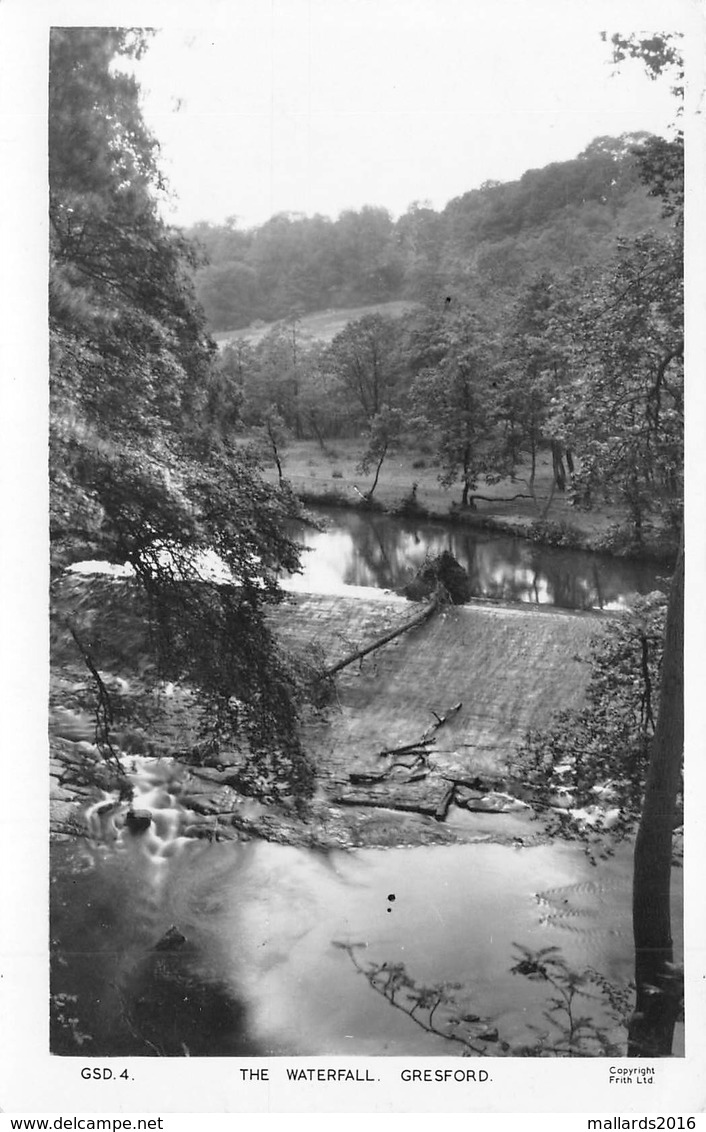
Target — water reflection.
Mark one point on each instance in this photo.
(381, 551)
(259, 972)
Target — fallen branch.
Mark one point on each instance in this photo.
(384, 639)
(407, 748)
(426, 740)
(104, 707)
(443, 808)
(500, 498)
(363, 778)
(440, 721)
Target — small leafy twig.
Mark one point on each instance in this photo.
(104, 706)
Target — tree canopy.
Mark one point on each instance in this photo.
(139, 475)
(559, 217)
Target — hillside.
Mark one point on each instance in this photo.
(490, 239)
(319, 326)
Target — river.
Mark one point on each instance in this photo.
(384, 552)
(257, 967)
(171, 946)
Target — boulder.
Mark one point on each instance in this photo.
(137, 821)
(172, 940)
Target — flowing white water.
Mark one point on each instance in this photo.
(116, 824)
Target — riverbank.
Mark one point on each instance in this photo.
(409, 485)
(471, 681)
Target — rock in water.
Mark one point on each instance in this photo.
(171, 940)
(137, 821)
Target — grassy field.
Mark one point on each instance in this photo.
(317, 473)
(321, 326)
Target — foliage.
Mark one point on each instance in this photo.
(446, 1010)
(660, 53)
(452, 402)
(590, 764)
(500, 235)
(363, 358)
(443, 571)
(438, 1009)
(532, 373)
(272, 437)
(65, 1025)
(660, 160)
(622, 408)
(383, 437)
(569, 1033)
(140, 475)
(561, 534)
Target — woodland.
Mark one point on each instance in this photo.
(547, 316)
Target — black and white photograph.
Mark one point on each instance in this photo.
(352, 708)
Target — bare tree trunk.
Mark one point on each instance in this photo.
(657, 1001)
(385, 638)
(558, 465)
(369, 494)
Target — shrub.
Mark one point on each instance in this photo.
(555, 534)
(442, 570)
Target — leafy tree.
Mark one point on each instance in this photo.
(383, 436)
(364, 359)
(531, 373)
(452, 403)
(661, 160)
(275, 437)
(138, 475)
(635, 380)
(590, 764)
(324, 408)
(624, 409)
(271, 379)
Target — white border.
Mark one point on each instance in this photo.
(30, 1080)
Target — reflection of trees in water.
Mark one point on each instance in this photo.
(387, 552)
(137, 987)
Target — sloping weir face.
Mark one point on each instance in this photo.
(168, 946)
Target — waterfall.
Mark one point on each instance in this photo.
(155, 785)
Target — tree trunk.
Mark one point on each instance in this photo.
(316, 430)
(275, 453)
(558, 465)
(384, 639)
(658, 1000)
(369, 494)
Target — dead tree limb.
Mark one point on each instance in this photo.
(418, 747)
(407, 748)
(384, 639)
(440, 721)
(500, 498)
(104, 707)
(443, 808)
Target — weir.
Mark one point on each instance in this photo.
(175, 942)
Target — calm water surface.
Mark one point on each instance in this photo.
(381, 551)
(257, 970)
